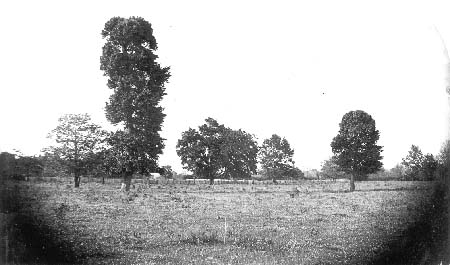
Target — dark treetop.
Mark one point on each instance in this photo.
(355, 146)
(137, 80)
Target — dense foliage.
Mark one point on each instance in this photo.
(137, 81)
(443, 169)
(331, 170)
(355, 148)
(419, 166)
(276, 158)
(19, 166)
(53, 166)
(215, 151)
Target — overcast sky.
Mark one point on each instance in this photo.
(293, 69)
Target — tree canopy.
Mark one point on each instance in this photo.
(443, 158)
(19, 166)
(355, 148)
(419, 166)
(7, 164)
(77, 139)
(276, 158)
(215, 151)
(138, 82)
(331, 170)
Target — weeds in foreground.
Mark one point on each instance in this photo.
(242, 240)
(61, 211)
(202, 238)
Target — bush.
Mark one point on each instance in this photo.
(384, 175)
(167, 172)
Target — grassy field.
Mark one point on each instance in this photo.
(220, 224)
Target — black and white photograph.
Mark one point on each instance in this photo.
(225, 132)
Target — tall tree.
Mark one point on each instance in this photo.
(355, 148)
(76, 139)
(276, 157)
(217, 151)
(137, 79)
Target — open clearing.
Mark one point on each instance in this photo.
(220, 224)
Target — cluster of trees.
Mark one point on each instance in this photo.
(138, 83)
(18, 166)
(417, 166)
(83, 148)
(359, 157)
(215, 151)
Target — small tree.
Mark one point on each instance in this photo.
(76, 139)
(398, 172)
(429, 167)
(443, 159)
(137, 81)
(168, 172)
(355, 148)
(275, 156)
(331, 170)
(419, 166)
(217, 151)
(413, 163)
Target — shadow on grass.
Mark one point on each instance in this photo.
(379, 189)
(27, 239)
(426, 241)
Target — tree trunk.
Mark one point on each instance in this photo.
(127, 175)
(76, 180)
(352, 182)
(211, 180)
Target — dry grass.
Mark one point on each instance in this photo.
(227, 224)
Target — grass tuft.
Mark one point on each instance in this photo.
(202, 238)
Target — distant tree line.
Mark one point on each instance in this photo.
(82, 148)
(19, 167)
(415, 166)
